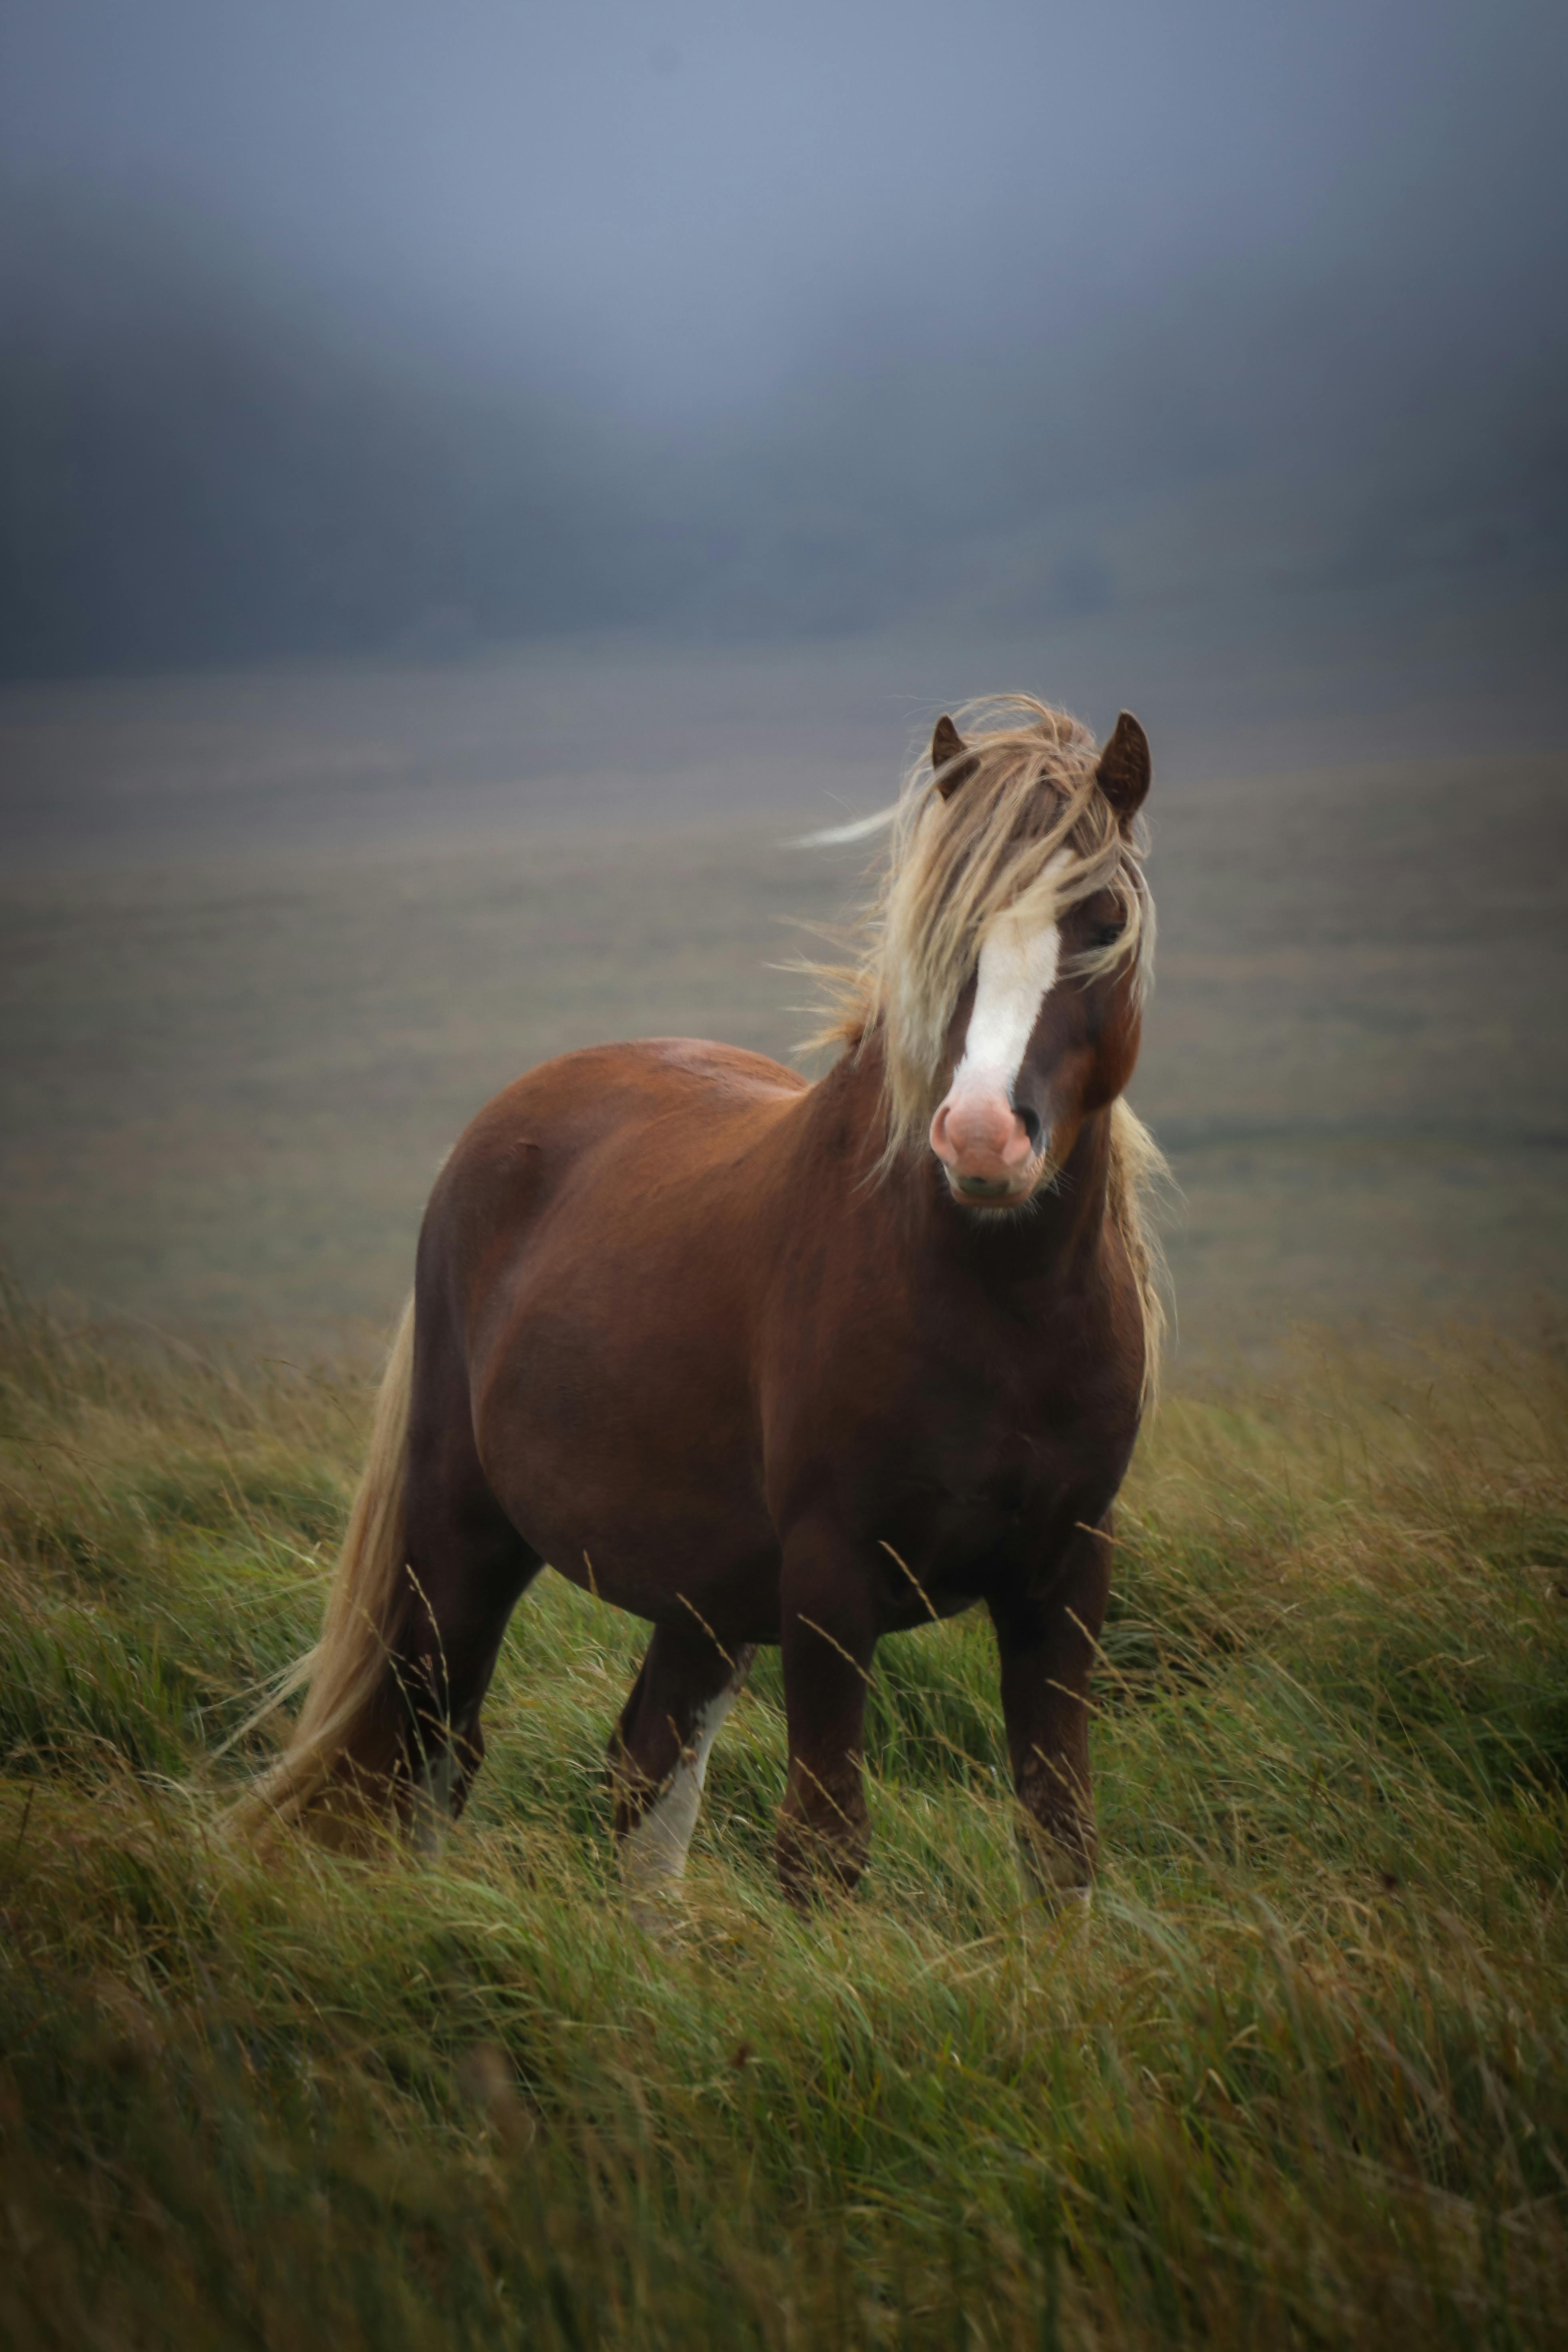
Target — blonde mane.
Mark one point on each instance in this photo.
(1027, 826)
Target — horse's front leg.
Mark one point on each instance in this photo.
(1048, 1638)
(828, 1638)
(658, 1753)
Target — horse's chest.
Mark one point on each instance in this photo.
(966, 1441)
(980, 1504)
(969, 1518)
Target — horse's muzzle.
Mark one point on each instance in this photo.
(987, 1152)
(990, 1191)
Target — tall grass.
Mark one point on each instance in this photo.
(1302, 2079)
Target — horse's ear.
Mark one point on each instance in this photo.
(946, 746)
(1125, 768)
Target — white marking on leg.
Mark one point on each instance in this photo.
(431, 1813)
(653, 1855)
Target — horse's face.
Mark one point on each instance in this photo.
(1038, 1043)
(1033, 1050)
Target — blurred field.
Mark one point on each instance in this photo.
(262, 955)
(1302, 2080)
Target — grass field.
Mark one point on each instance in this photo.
(1302, 2079)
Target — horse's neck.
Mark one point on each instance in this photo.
(1062, 1226)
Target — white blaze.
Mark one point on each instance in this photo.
(1017, 971)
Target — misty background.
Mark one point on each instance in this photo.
(347, 327)
(479, 481)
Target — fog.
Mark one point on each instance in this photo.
(477, 481)
(352, 327)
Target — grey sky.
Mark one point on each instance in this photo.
(686, 193)
(341, 324)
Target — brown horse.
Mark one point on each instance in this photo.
(766, 1361)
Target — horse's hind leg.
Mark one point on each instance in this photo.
(468, 1567)
(659, 1750)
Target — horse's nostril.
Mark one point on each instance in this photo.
(1030, 1122)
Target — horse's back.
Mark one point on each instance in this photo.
(567, 1106)
(597, 1140)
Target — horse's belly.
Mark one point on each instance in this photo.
(619, 1435)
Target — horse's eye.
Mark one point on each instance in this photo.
(1105, 935)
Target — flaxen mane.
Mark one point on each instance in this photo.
(1026, 825)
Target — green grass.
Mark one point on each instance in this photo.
(1303, 2079)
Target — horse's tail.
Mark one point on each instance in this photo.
(340, 1764)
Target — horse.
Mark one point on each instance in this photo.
(768, 1361)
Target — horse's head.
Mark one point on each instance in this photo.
(1045, 1032)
